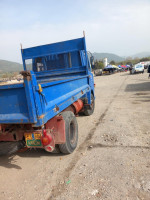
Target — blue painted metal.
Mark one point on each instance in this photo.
(60, 75)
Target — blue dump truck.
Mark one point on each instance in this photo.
(41, 111)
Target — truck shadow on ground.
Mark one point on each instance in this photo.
(10, 161)
(138, 87)
(37, 153)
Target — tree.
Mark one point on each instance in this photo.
(129, 58)
(99, 65)
(129, 63)
(5, 75)
(112, 62)
(144, 59)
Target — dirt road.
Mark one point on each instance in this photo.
(112, 161)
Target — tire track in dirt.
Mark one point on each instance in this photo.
(99, 145)
(60, 188)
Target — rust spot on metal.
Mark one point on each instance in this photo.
(56, 109)
(41, 117)
(59, 118)
(26, 75)
(82, 92)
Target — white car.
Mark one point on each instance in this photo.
(138, 68)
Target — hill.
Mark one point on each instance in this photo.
(109, 56)
(141, 55)
(8, 66)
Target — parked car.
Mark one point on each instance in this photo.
(98, 72)
(108, 71)
(138, 68)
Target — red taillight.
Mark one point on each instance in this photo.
(45, 141)
(49, 148)
(46, 138)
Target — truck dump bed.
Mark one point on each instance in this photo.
(59, 76)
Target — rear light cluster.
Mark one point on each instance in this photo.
(46, 138)
(47, 141)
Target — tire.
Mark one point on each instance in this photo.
(71, 133)
(89, 110)
(7, 148)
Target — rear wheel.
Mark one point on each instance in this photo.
(7, 148)
(88, 110)
(71, 132)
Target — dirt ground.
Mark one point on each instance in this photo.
(112, 161)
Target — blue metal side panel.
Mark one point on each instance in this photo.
(56, 48)
(13, 104)
(37, 97)
(17, 103)
(75, 59)
(59, 95)
(61, 72)
(30, 100)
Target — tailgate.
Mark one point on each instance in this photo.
(13, 105)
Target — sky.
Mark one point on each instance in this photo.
(120, 27)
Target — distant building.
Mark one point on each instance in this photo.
(105, 62)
